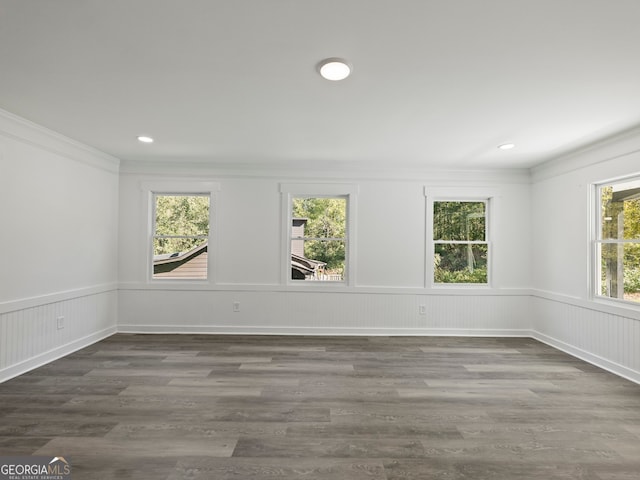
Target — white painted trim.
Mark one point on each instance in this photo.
(58, 352)
(180, 185)
(594, 201)
(319, 189)
(360, 289)
(351, 274)
(598, 305)
(27, 132)
(617, 146)
(349, 331)
(588, 357)
(491, 198)
(460, 193)
(593, 232)
(207, 186)
(31, 302)
(314, 171)
(347, 190)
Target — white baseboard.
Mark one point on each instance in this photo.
(596, 360)
(59, 352)
(47, 357)
(352, 331)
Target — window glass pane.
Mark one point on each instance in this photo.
(329, 252)
(175, 246)
(184, 258)
(322, 217)
(620, 271)
(186, 217)
(620, 210)
(459, 221)
(456, 263)
(182, 215)
(321, 260)
(318, 238)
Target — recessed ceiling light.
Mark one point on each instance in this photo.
(145, 139)
(507, 146)
(334, 69)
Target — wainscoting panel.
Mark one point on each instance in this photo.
(322, 313)
(30, 337)
(611, 341)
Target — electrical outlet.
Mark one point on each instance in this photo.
(60, 323)
(236, 306)
(422, 309)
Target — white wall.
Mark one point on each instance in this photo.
(74, 232)
(59, 221)
(564, 312)
(389, 255)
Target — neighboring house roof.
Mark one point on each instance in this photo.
(171, 261)
(191, 264)
(622, 195)
(305, 265)
(179, 257)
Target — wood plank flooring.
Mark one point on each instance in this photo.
(273, 407)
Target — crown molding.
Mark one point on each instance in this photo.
(617, 146)
(17, 128)
(329, 171)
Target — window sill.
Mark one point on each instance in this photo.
(618, 307)
(599, 304)
(446, 286)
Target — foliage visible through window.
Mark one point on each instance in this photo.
(318, 238)
(180, 236)
(618, 242)
(460, 242)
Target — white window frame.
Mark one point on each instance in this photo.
(288, 192)
(187, 187)
(462, 195)
(597, 241)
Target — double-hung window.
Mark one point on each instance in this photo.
(460, 242)
(180, 238)
(617, 242)
(318, 238)
(318, 228)
(181, 234)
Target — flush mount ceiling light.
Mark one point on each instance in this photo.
(506, 146)
(145, 139)
(334, 69)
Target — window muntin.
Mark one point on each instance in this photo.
(180, 236)
(318, 241)
(460, 243)
(617, 246)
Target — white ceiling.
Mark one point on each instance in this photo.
(435, 83)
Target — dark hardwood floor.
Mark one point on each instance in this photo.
(350, 408)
